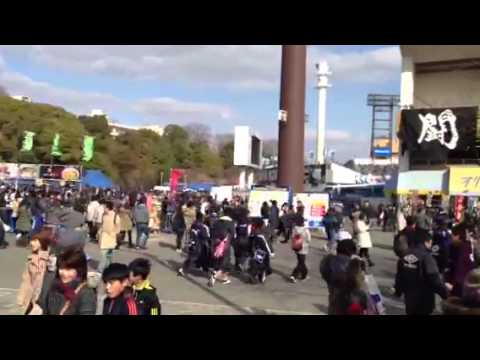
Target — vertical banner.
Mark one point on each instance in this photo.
(459, 208)
(175, 176)
(56, 146)
(27, 144)
(88, 148)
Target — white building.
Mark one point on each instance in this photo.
(22, 98)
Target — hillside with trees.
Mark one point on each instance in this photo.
(136, 159)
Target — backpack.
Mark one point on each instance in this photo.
(297, 242)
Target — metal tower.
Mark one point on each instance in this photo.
(383, 107)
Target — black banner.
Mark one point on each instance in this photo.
(440, 135)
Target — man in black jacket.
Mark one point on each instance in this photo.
(119, 300)
(419, 278)
(143, 292)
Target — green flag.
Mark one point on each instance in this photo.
(56, 146)
(27, 144)
(88, 142)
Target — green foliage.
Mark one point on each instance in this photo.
(135, 159)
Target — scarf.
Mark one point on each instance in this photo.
(68, 290)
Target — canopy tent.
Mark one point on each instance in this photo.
(96, 178)
(200, 187)
(421, 182)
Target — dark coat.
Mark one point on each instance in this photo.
(274, 218)
(121, 305)
(84, 304)
(419, 281)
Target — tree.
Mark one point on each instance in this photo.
(226, 154)
(270, 148)
(199, 133)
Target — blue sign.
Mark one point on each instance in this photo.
(384, 152)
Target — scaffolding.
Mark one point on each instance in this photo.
(383, 108)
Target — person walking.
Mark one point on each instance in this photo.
(33, 275)
(189, 214)
(364, 239)
(24, 223)
(300, 244)
(419, 278)
(69, 293)
(91, 211)
(141, 218)
(179, 227)
(273, 223)
(126, 224)
(108, 236)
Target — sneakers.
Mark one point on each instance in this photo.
(179, 251)
(292, 279)
(180, 272)
(263, 277)
(226, 282)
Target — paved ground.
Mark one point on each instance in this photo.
(191, 295)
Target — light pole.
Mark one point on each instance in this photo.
(323, 72)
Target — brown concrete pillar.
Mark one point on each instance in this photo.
(291, 135)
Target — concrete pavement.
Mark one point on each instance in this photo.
(191, 295)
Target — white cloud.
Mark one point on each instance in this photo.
(369, 66)
(231, 66)
(344, 143)
(168, 109)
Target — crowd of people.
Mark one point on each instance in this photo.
(435, 254)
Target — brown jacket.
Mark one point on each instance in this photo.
(109, 230)
(32, 279)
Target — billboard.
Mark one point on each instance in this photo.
(8, 171)
(28, 171)
(247, 148)
(382, 152)
(60, 172)
(315, 208)
(257, 197)
(439, 135)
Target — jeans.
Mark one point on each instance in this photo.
(180, 234)
(106, 259)
(300, 271)
(142, 229)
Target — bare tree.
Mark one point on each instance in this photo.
(199, 133)
(270, 148)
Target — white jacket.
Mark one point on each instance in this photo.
(364, 240)
(305, 233)
(92, 209)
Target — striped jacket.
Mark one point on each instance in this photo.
(121, 305)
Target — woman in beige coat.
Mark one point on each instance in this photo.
(32, 278)
(108, 235)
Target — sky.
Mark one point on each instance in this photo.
(218, 85)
